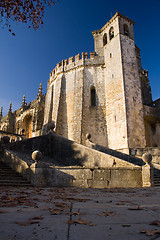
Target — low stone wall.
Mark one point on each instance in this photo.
(42, 175)
(71, 164)
(65, 152)
(154, 151)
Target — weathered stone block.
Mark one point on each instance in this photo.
(124, 178)
(102, 174)
(96, 183)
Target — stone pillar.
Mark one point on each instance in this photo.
(147, 171)
(147, 176)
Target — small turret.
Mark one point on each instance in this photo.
(1, 113)
(24, 104)
(10, 108)
(10, 120)
(40, 95)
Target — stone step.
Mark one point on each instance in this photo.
(10, 171)
(15, 181)
(156, 180)
(9, 177)
(16, 184)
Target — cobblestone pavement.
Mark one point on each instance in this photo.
(76, 214)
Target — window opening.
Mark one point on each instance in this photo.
(111, 33)
(126, 29)
(93, 97)
(104, 39)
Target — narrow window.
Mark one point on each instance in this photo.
(104, 39)
(93, 96)
(153, 127)
(111, 33)
(126, 29)
(110, 55)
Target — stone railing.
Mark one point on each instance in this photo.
(67, 163)
(11, 136)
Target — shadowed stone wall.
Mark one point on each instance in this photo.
(66, 163)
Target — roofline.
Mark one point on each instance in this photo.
(109, 22)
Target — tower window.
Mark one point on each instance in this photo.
(104, 39)
(126, 29)
(111, 33)
(93, 96)
(153, 127)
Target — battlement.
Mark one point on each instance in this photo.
(78, 60)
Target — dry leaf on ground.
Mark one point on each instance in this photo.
(151, 232)
(75, 213)
(39, 218)
(81, 221)
(156, 222)
(77, 199)
(55, 211)
(106, 213)
(135, 208)
(34, 220)
(3, 211)
(61, 204)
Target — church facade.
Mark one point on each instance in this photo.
(27, 120)
(105, 93)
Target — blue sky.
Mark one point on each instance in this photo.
(27, 59)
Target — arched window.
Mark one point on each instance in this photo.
(126, 29)
(104, 39)
(93, 96)
(111, 33)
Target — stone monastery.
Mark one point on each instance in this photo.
(106, 94)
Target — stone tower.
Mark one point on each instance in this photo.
(106, 94)
(124, 109)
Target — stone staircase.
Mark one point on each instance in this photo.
(156, 180)
(8, 177)
(156, 177)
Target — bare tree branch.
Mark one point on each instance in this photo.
(25, 11)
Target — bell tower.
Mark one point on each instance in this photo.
(124, 109)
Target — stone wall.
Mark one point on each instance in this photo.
(67, 163)
(75, 176)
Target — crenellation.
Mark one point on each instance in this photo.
(77, 57)
(92, 55)
(84, 55)
(60, 64)
(77, 61)
(65, 62)
(71, 60)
